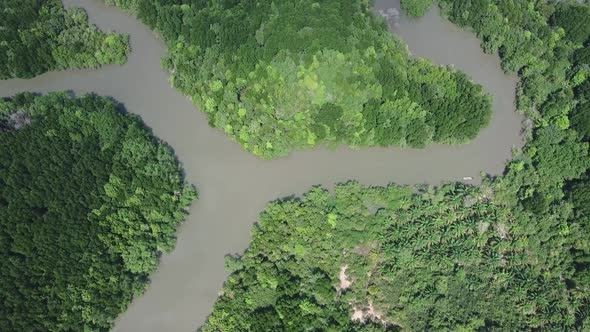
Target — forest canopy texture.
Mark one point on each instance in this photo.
(284, 75)
(392, 258)
(88, 201)
(511, 255)
(37, 36)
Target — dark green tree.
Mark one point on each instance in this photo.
(393, 258)
(37, 36)
(579, 195)
(448, 258)
(537, 203)
(268, 70)
(575, 20)
(88, 201)
(580, 119)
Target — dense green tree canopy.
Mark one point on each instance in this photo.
(580, 118)
(582, 91)
(582, 56)
(449, 259)
(579, 194)
(512, 255)
(575, 21)
(416, 8)
(283, 75)
(37, 36)
(88, 200)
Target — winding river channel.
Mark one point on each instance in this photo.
(234, 185)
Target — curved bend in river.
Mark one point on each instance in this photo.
(235, 185)
(279, 76)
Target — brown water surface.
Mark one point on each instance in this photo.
(234, 185)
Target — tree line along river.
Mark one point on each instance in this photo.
(234, 185)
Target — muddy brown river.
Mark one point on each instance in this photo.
(234, 185)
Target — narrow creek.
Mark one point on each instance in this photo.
(234, 185)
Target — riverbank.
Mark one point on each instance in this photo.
(235, 186)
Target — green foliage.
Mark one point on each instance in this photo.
(266, 71)
(558, 154)
(88, 201)
(582, 56)
(583, 90)
(552, 91)
(580, 119)
(446, 259)
(416, 8)
(512, 255)
(37, 36)
(537, 203)
(123, 4)
(575, 20)
(579, 195)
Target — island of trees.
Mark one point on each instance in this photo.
(284, 75)
(39, 36)
(88, 201)
(511, 255)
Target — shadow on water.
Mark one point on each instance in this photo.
(234, 186)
